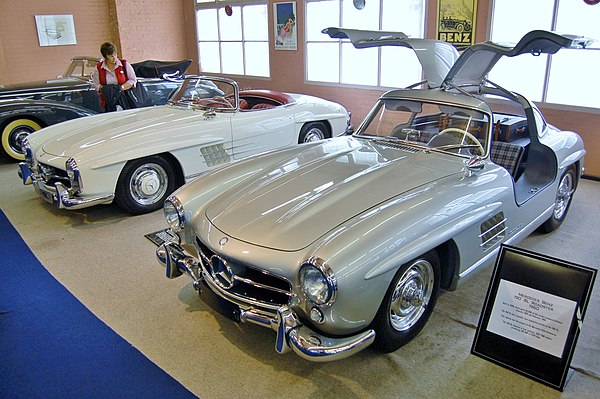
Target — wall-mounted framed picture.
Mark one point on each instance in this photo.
(55, 30)
(286, 37)
(456, 22)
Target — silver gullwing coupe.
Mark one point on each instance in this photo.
(347, 242)
(138, 157)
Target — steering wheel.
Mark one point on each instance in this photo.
(465, 135)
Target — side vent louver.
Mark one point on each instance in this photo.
(492, 230)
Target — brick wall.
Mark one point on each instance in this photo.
(24, 57)
(141, 29)
(151, 29)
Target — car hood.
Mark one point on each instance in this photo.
(32, 88)
(116, 134)
(288, 206)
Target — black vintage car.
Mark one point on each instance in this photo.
(27, 107)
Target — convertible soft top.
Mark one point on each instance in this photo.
(157, 69)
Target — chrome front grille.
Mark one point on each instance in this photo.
(243, 283)
(51, 175)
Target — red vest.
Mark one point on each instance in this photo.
(120, 72)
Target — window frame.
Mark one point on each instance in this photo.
(220, 4)
(548, 64)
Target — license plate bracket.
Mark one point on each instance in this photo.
(220, 305)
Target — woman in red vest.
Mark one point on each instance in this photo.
(112, 71)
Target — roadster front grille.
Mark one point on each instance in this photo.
(492, 230)
(51, 175)
(244, 283)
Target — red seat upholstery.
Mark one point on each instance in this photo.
(243, 104)
(263, 106)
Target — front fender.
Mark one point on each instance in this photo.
(366, 251)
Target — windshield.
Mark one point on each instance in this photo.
(81, 68)
(448, 128)
(206, 93)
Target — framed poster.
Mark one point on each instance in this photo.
(532, 314)
(456, 22)
(55, 30)
(286, 37)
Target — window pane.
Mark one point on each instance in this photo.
(206, 21)
(257, 58)
(400, 67)
(574, 78)
(321, 15)
(233, 60)
(367, 18)
(230, 26)
(513, 18)
(406, 16)
(255, 23)
(323, 62)
(359, 66)
(523, 74)
(209, 57)
(578, 18)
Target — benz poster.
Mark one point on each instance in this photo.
(456, 21)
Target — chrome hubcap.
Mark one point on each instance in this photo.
(314, 134)
(17, 136)
(563, 196)
(411, 295)
(148, 184)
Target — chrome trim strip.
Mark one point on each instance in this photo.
(259, 285)
(476, 265)
(240, 301)
(483, 244)
(291, 334)
(66, 201)
(492, 228)
(527, 230)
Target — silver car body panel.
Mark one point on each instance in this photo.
(367, 204)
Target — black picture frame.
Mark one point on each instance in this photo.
(514, 333)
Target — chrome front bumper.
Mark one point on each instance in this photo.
(292, 335)
(58, 194)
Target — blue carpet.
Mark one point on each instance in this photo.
(51, 346)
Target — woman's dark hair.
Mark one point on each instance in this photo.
(107, 48)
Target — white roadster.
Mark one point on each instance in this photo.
(137, 157)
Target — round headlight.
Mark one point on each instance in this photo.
(317, 282)
(174, 214)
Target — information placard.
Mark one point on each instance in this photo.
(532, 314)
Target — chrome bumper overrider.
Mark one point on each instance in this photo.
(292, 335)
(59, 194)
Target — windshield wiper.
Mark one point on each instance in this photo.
(455, 146)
